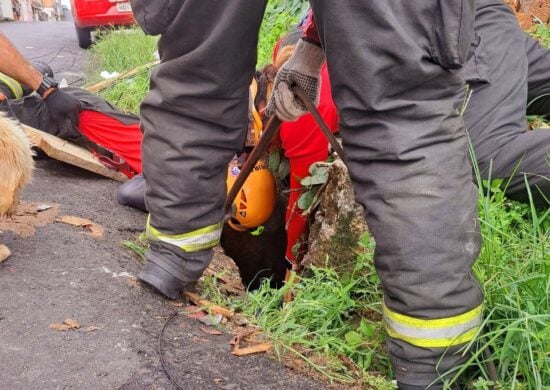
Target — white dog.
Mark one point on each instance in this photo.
(16, 166)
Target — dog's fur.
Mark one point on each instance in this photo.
(16, 166)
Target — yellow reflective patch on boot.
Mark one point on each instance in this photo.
(197, 240)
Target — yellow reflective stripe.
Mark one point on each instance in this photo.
(13, 85)
(441, 332)
(436, 323)
(435, 343)
(197, 240)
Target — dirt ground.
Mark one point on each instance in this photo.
(527, 10)
(61, 271)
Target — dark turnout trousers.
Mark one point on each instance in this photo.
(394, 68)
(509, 70)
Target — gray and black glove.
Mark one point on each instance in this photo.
(302, 68)
(62, 106)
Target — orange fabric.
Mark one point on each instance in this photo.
(110, 133)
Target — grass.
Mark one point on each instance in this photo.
(333, 323)
(542, 34)
(119, 52)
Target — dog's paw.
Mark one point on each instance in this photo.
(4, 253)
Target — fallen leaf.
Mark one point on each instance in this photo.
(258, 348)
(95, 230)
(210, 307)
(60, 327)
(211, 331)
(218, 381)
(68, 324)
(92, 328)
(73, 324)
(175, 303)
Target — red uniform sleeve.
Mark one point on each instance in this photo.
(309, 29)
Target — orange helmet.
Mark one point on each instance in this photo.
(255, 201)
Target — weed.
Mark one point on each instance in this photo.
(138, 246)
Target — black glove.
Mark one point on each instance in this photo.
(62, 106)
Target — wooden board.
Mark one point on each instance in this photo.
(69, 153)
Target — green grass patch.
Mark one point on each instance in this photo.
(120, 51)
(542, 34)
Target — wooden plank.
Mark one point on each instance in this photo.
(95, 88)
(69, 153)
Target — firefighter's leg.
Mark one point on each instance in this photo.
(406, 150)
(502, 82)
(194, 120)
(132, 193)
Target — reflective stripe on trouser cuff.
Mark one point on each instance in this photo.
(437, 333)
(198, 240)
(13, 85)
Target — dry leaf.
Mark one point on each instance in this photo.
(73, 324)
(175, 303)
(95, 230)
(258, 348)
(4, 253)
(91, 328)
(218, 381)
(60, 327)
(210, 307)
(211, 331)
(68, 324)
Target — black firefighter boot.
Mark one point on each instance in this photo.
(169, 273)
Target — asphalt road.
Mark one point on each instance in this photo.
(60, 272)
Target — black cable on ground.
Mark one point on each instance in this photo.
(161, 355)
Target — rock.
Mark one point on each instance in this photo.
(338, 224)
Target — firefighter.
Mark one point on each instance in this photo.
(396, 79)
(61, 106)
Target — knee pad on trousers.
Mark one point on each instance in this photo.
(132, 193)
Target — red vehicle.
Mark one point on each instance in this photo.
(90, 14)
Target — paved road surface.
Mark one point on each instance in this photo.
(60, 273)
